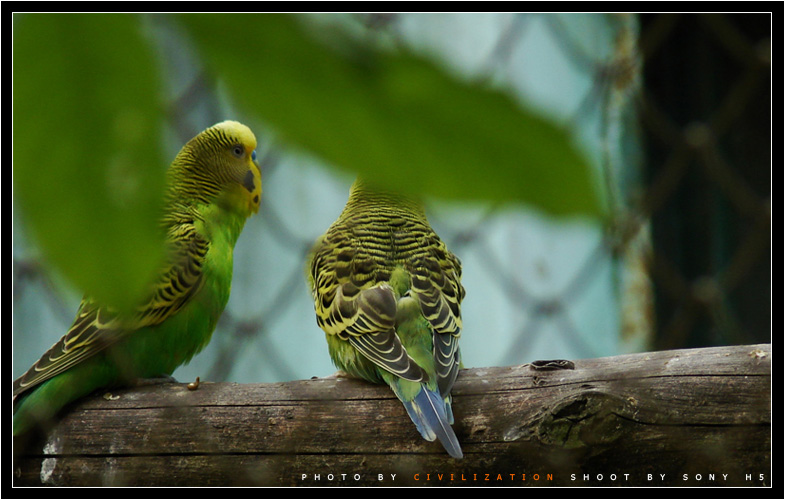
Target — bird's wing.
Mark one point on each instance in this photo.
(436, 283)
(97, 327)
(351, 305)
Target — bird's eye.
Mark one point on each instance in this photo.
(253, 155)
(238, 151)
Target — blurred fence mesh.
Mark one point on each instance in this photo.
(706, 110)
(687, 243)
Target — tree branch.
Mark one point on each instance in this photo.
(687, 412)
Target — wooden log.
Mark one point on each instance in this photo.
(683, 418)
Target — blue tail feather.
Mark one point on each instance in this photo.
(428, 412)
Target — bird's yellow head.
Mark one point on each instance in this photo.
(220, 166)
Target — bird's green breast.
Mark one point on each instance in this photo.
(195, 323)
(160, 349)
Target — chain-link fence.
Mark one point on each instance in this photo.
(706, 111)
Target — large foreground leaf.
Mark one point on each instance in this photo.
(395, 117)
(87, 171)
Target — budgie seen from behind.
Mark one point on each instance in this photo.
(387, 293)
(213, 185)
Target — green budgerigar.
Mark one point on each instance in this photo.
(387, 293)
(213, 185)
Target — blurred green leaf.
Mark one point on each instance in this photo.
(87, 169)
(396, 118)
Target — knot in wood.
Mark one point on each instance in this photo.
(586, 419)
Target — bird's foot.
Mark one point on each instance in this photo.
(338, 374)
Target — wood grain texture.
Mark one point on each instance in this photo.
(694, 412)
